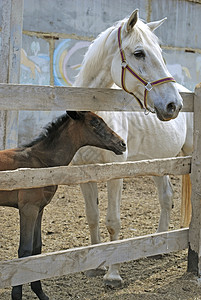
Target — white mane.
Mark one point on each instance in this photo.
(93, 56)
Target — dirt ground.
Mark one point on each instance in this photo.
(65, 226)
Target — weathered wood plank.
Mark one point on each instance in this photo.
(4, 62)
(29, 178)
(188, 99)
(194, 259)
(12, 19)
(16, 23)
(32, 97)
(20, 271)
(5, 40)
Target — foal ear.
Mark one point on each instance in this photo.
(156, 24)
(73, 114)
(132, 20)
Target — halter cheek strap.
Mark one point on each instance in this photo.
(147, 85)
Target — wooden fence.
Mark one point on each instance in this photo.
(28, 269)
(23, 97)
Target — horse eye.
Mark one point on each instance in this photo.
(139, 54)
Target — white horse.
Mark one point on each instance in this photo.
(112, 58)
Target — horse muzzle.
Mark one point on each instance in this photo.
(170, 112)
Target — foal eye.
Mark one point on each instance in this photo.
(95, 123)
(139, 54)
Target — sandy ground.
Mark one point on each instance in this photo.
(65, 226)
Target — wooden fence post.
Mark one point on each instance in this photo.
(194, 253)
(11, 42)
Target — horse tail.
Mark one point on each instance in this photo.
(186, 201)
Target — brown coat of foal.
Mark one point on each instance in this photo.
(56, 146)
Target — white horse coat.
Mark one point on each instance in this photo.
(146, 136)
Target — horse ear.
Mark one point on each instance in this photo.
(132, 20)
(156, 24)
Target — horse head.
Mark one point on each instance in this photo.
(138, 67)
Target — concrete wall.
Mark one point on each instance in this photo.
(56, 34)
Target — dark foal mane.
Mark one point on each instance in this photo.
(49, 131)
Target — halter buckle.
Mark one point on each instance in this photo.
(146, 111)
(149, 86)
(124, 64)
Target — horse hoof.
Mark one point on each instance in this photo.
(16, 293)
(114, 281)
(42, 296)
(96, 272)
(37, 289)
(16, 297)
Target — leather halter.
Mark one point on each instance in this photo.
(147, 85)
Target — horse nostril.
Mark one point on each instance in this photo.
(123, 144)
(171, 107)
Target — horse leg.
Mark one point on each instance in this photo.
(28, 215)
(113, 223)
(165, 194)
(37, 246)
(90, 193)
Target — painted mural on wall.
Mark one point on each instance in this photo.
(35, 69)
(67, 59)
(69, 53)
(35, 61)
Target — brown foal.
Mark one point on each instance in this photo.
(56, 146)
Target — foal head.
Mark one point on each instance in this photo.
(93, 131)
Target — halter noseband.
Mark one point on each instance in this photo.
(147, 85)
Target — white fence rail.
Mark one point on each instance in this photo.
(31, 178)
(33, 97)
(60, 263)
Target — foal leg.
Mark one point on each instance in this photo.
(90, 193)
(28, 216)
(37, 240)
(37, 246)
(165, 193)
(113, 223)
